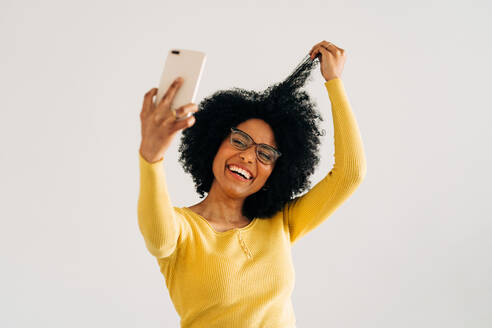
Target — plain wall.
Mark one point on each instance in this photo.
(410, 248)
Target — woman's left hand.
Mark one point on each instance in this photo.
(332, 59)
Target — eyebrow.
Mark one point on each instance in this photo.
(254, 139)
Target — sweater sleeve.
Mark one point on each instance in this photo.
(159, 224)
(304, 213)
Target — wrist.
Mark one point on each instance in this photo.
(332, 77)
(148, 156)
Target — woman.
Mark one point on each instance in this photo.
(227, 259)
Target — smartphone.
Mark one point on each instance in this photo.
(189, 65)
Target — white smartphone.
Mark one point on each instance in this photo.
(189, 65)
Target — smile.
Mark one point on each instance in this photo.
(237, 176)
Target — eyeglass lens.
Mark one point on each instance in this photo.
(241, 142)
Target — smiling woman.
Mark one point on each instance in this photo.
(226, 192)
(227, 260)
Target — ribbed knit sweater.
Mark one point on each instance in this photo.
(244, 277)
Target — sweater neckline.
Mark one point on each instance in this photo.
(245, 228)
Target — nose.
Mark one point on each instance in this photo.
(249, 154)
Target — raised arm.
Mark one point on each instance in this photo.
(306, 212)
(160, 226)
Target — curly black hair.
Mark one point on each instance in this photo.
(294, 119)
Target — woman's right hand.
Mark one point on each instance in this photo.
(158, 123)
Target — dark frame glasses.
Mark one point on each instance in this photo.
(262, 156)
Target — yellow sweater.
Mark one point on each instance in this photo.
(244, 277)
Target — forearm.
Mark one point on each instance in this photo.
(350, 160)
(308, 211)
(156, 217)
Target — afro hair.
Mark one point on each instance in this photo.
(294, 119)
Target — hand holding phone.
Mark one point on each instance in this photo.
(158, 123)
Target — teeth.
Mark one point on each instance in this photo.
(237, 169)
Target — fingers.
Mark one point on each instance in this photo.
(314, 47)
(164, 114)
(319, 50)
(148, 102)
(336, 51)
(186, 123)
(183, 111)
(171, 91)
(324, 51)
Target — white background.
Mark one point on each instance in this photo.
(410, 248)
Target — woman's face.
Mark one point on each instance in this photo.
(227, 154)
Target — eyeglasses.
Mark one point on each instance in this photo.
(265, 153)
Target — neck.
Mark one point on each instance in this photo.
(220, 207)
